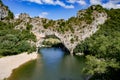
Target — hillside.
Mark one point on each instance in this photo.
(103, 49)
(94, 32)
(70, 31)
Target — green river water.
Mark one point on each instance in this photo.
(51, 64)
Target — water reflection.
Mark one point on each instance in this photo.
(51, 64)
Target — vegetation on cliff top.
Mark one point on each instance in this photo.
(83, 16)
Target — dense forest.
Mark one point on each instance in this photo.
(102, 49)
(14, 41)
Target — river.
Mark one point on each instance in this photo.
(51, 64)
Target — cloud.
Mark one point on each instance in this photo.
(57, 2)
(48, 1)
(17, 16)
(69, 4)
(63, 4)
(52, 2)
(43, 15)
(35, 1)
(71, 1)
(110, 4)
(81, 2)
(95, 2)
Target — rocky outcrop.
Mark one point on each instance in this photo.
(3, 12)
(81, 13)
(82, 34)
(68, 38)
(23, 16)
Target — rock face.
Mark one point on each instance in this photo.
(23, 19)
(68, 38)
(23, 16)
(81, 13)
(3, 12)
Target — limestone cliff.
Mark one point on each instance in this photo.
(71, 31)
(3, 11)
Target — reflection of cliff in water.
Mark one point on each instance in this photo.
(51, 64)
(62, 46)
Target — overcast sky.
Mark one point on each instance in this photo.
(55, 9)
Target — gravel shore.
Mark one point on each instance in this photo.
(8, 63)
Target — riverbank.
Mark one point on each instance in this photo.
(8, 63)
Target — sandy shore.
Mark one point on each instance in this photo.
(8, 63)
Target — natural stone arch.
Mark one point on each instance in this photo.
(60, 44)
(66, 37)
